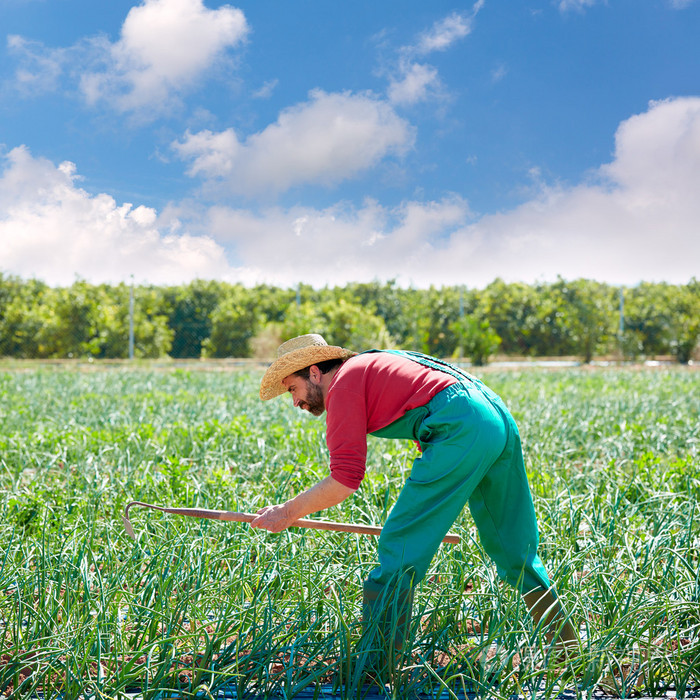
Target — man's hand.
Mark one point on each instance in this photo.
(324, 494)
(274, 518)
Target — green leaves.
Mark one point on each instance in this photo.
(205, 318)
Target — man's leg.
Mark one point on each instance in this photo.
(502, 509)
(461, 438)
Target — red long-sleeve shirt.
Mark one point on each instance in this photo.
(368, 392)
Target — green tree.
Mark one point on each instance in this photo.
(432, 314)
(152, 335)
(303, 318)
(514, 312)
(271, 302)
(646, 311)
(548, 333)
(82, 320)
(388, 301)
(20, 316)
(587, 313)
(234, 324)
(477, 340)
(661, 319)
(352, 326)
(218, 319)
(70, 322)
(684, 321)
(191, 307)
(339, 322)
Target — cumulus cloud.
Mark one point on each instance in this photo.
(340, 243)
(657, 153)
(636, 219)
(52, 229)
(332, 137)
(165, 48)
(412, 81)
(212, 154)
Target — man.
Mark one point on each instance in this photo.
(470, 453)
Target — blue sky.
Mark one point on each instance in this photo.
(284, 141)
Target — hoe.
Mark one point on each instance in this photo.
(232, 516)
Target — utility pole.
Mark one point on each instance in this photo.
(621, 328)
(622, 310)
(131, 320)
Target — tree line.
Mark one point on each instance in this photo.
(581, 318)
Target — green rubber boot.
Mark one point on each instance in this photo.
(549, 615)
(386, 622)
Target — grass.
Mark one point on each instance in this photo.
(194, 606)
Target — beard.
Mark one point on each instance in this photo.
(314, 403)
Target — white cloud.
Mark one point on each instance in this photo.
(265, 91)
(499, 73)
(39, 69)
(657, 153)
(635, 219)
(339, 243)
(410, 81)
(213, 154)
(447, 31)
(53, 230)
(414, 84)
(165, 48)
(328, 139)
(637, 222)
(578, 5)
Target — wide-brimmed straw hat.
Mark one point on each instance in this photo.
(295, 354)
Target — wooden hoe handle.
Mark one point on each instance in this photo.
(232, 516)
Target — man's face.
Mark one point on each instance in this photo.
(305, 394)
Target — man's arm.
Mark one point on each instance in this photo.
(324, 494)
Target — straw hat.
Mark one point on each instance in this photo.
(295, 354)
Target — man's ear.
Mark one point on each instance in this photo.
(315, 374)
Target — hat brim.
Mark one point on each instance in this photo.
(271, 384)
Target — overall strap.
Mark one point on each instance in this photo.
(432, 362)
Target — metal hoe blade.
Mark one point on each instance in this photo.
(128, 527)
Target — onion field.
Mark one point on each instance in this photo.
(197, 608)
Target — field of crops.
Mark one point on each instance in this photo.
(194, 606)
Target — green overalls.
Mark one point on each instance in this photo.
(471, 453)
